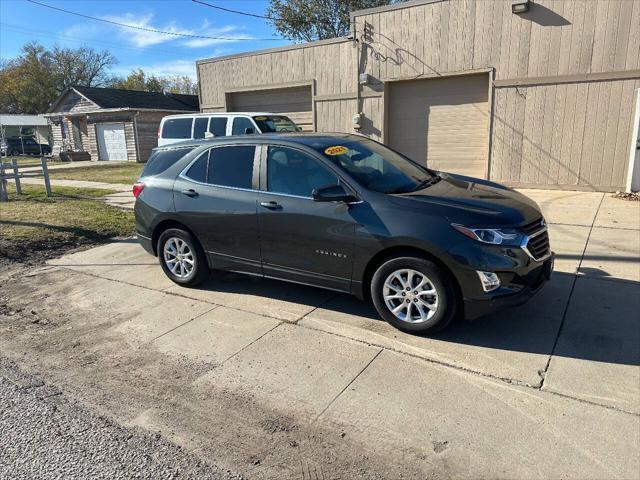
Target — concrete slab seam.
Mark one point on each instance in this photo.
(252, 342)
(566, 307)
(320, 305)
(178, 326)
(380, 350)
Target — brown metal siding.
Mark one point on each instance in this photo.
(560, 129)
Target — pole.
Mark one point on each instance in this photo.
(4, 196)
(16, 176)
(45, 172)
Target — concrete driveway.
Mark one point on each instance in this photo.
(547, 390)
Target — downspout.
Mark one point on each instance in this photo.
(135, 135)
(356, 120)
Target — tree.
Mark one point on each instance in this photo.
(308, 20)
(180, 84)
(138, 80)
(82, 66)
(30, 82)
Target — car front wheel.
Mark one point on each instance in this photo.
(182, 257)
(414, 294)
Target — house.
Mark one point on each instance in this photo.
(21, 126)
(537, 94)
(112, 124)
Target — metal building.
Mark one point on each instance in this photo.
(544, 97)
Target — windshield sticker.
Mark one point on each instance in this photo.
(336, 150)
(260, 119)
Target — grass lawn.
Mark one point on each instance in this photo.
(31, 161)
(122, 173)
(35, 227)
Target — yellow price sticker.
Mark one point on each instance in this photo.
(336, 150)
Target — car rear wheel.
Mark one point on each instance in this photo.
(182, 257)
(414, 294)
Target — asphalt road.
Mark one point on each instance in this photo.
(47, 436)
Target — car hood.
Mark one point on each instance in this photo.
(466, 199)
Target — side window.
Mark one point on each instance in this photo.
(160, 160)
(218, 126)
(240, 125)
(232, 166)
(200, 127)
(177, 128)
(293, 172)
(198, 169)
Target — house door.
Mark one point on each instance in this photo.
(112, 143)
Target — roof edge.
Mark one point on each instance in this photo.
(265, 51)
(395, 6)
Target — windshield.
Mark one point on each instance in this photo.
(275, 124)
(376, 167)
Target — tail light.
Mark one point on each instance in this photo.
(137, 188)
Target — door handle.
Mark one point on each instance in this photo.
(190, 193)
(271, 205)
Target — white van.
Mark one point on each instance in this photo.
(178, 128)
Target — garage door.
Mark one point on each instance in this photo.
(295, 102)
(112, 143)
(443, 122)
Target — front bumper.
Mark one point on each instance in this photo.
(529, 283)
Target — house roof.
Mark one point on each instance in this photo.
(23, 120)
(133, 99)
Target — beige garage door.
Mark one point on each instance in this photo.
(443, 122)
(295, 102)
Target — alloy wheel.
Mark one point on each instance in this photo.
(178, 257)
(410, 296)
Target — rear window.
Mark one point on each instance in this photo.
(160, 160)
(177, 128)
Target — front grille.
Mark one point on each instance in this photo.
(533, 227)
(538, 246)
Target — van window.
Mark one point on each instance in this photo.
(232, 166)
(198, 169)
(200, 127)
(177, 128)
(218, 126)
(160, 160)
(240, 124)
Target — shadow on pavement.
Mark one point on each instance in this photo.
(598, 321)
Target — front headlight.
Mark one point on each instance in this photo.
(494, 236)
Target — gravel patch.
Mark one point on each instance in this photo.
(46, 436)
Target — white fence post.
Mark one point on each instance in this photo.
(16, 175)
(4, 194)
(45, 172)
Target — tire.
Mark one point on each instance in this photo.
(423, 319)
(184, 241)
(14, 152)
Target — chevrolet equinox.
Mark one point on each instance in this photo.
(346, 213)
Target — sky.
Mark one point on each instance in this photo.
(21, 22)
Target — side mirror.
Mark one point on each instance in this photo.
(248, 131)
(208, 135)
(333, 193)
